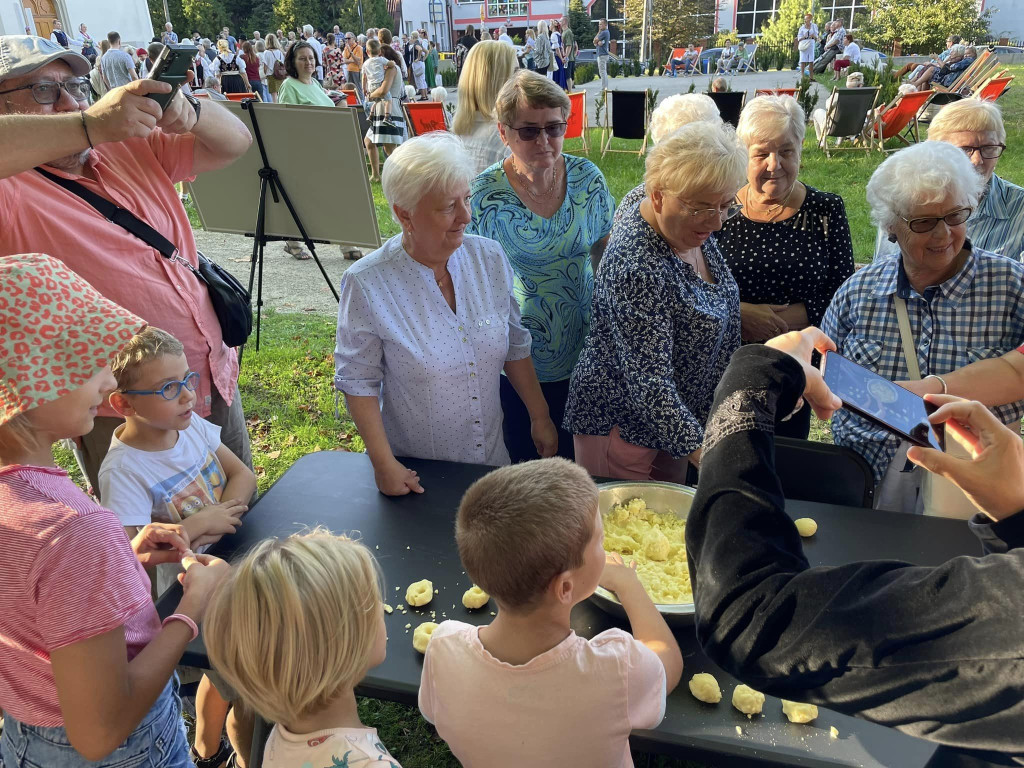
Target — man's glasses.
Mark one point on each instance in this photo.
(531, 132)
(706, 214)
(48, 92)
(989, 151)
(929, 223)
(171, 390)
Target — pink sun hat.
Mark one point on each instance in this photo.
(56, 332)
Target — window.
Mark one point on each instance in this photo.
(503, 9)
(751, 14)
(844, 10)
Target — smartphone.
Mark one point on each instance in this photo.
(172, 66)
(881, 402)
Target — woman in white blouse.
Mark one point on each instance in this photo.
(426, 325)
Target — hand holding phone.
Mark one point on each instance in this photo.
(172, 66)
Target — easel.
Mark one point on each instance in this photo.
(269, 179)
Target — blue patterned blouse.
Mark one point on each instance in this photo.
(660, 341)
(554, 279)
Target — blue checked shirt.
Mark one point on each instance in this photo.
(976, 314)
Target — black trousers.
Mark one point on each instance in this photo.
(516, 425)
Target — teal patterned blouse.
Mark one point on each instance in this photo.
(554, 279)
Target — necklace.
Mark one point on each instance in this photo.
(445, 278)
(778, 208)
(524, 182)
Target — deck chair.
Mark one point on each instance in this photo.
(424, 116)
(775, 92)
(899, 121)
(351, 98)
(243, 96)
(980, 66)
(577, 121)
(626, 116)
(827, 474)
(994, 88)
(730, 104)
(938, 100)
(677, 53)
(748, 65)
(847, 117)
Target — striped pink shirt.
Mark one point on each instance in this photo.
(69, 573)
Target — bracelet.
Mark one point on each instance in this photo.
(85, 127)
(942, 381)
(185, 620)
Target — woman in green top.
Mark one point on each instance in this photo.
(300, 87)
(432, 64)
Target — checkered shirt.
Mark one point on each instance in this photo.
(976, 314)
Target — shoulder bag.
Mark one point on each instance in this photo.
(231, 301)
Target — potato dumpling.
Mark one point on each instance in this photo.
(705, 688)
(422, 634)
(805, 526)
(799, 713)
(656, 545)
(475, 597)
(747, 700)
(419, 593)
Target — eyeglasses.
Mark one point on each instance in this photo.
(531, 132)
(706, 214)
(989, 151)
(171, 390)
(929, 223)
(48, 92)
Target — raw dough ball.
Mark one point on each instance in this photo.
(833, 732)
(799, 713)
(805, 526)
(475, 597)
(747, 700)
(419, 593)
(656, 545)
(705, 688)
(421, 635)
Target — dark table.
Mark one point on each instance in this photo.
(413, 538)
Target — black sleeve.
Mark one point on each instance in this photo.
(935, 652)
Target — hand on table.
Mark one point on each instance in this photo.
(800, 345)
(203, 574)
(760, 321)
(395, 479)
(160, 543)
(545, 436)
(617, 574)
(993, 478)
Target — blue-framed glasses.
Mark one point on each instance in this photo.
(171, 390)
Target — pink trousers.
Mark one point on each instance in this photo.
(611, 456)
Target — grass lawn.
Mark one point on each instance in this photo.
(289, 400)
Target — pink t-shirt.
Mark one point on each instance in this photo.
(68, 574)
(574, 705)
(137, 174)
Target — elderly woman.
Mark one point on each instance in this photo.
(552, 214)
(790, 249)
(806, 36)
(426, 325)
(488, 67)
(962, 303)
(666, 315)
(936, 71)
(976, 127)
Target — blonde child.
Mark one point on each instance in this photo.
(168, 465)
(294, 629)
(87, 671)
(374, 70)
(526, 690)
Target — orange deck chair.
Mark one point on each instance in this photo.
(425, 116)
(578, 123)
(775, 92)
(899, 121)
(995, 88)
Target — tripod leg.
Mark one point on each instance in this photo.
(259, 242)
(305, 237)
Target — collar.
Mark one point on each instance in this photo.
(892, 279)
(995, 204)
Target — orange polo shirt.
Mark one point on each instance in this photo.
(139, 175)
(356, 62)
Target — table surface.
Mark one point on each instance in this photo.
(413, 539)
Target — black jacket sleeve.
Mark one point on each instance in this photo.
(936, 652)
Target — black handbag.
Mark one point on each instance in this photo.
(231, 301)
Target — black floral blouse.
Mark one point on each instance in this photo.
(658, 344)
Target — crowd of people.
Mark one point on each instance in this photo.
(521, 318)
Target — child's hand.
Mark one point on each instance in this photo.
(618, 574)
(160, 543)
(203, 574)
(220, 519)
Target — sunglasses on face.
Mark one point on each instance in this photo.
(532, 132)
(928, 223)
(48, 91)
(171, 390)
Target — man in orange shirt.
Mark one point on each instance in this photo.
(123, 148)
(353, 56)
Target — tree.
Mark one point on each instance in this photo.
(207, 17)
(924, 24)
(292, 14)
(581, 25)
(674, 23)
(781, 31)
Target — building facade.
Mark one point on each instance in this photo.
(36, 17)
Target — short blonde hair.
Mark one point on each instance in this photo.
(148, 344)
(222, 46)
(772, 118)
(972, 115)
(702, 157)
(488, 67)
(679, 110)
(430, 164)
(295, 623)
(520, 526)
(17, 436)
(529, 90)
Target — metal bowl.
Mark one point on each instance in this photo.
(661, 497)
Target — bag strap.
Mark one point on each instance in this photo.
(907, 337)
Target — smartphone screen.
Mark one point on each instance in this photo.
(171, 67)
(881, 401)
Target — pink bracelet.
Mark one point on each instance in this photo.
(185, 620)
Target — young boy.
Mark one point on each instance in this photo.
(168, 465)
(526, 690)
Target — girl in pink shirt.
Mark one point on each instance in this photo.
(86, 669)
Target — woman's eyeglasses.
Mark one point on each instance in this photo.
(928, 223)
(171, 390)
(531, 132)
(48, 92)
(989, 151)
(706, 214)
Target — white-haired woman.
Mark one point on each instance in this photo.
(790, 249)
(488, 67)
(963, 303)
(428, 322)
(666, 315)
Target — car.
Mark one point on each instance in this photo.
(869, 57)
(1006, 49)
(589, 56)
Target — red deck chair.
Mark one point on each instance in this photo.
(677, 53)
(242, 96)
(899, 121)
(995, 88)
(775, 92)
(577, 127)
(424, 116)
(351, 98)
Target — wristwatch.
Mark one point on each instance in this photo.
(194, 102)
